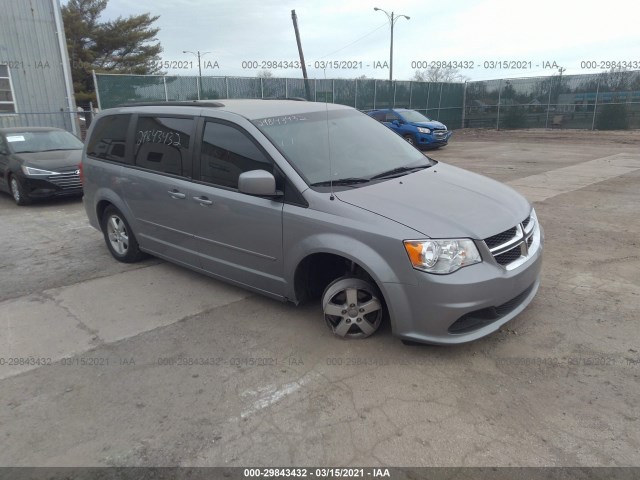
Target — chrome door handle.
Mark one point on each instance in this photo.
(177, 194)
(203, 201)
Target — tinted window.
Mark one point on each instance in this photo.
(390, 117)
(163, 144)
(108, 138)
(226, 153)
(378, 116)
(413, 116)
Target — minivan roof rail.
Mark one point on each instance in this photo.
(193, 103)
(297, 99)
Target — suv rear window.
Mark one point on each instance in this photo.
(108, 138)
(163, 144)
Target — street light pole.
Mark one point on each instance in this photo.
(391, 52)
(198, 54)
(393, 18)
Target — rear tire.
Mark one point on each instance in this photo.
(17, 192)
(119, 237)
(352, 307)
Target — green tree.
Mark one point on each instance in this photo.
(123, 45)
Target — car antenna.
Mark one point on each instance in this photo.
(326, 109)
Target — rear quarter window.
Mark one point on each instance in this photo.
(108, 138)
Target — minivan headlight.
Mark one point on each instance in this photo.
(36, 171)
(442, 256)
(424, 130)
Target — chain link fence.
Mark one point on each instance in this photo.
(64, 119)
(441, 101)
(75, 121)
(606, 101)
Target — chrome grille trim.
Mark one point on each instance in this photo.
(66, 181)
(525, 243)
(529, 224)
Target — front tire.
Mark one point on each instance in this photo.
(410, 140)
(119, 237)
(18, 193)
(352, 307)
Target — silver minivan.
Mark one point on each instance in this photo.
(302, 201)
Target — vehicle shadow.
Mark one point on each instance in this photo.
(6, 201)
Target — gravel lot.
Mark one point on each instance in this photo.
(557, 387)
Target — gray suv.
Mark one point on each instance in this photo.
(302, 201)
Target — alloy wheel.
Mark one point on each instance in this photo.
(15, 190)
(118, 235)
(351, 308)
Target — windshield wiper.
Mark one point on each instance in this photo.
(341, 181)
(399, 171)
(60, 149)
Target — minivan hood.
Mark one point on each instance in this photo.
(432, 124)
(55, 160)
(443, 202)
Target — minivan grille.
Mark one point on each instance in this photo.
(501, 238)
(508, 257)
(512, 244)
(66, 181)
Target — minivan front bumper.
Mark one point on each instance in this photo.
(466, 305)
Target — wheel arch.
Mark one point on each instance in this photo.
(105, 197)
(323, 249)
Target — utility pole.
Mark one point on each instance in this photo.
(307, 90)
(198, 54)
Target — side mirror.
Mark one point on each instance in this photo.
(258, 182)
(396, 123)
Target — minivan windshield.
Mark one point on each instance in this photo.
(343, 146)
(413, 116)
(42, 141)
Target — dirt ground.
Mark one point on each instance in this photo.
(631, 137)
(115, 380)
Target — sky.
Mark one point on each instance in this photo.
(483, 36)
